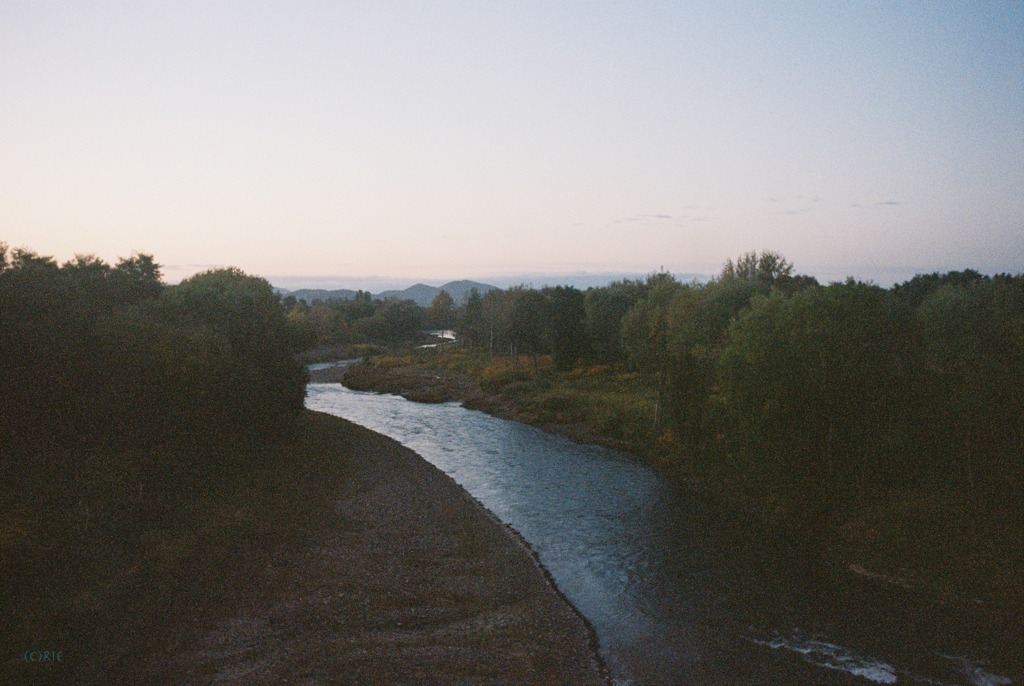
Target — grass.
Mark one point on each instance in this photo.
(606, 403)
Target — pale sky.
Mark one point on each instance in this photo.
(443, 140)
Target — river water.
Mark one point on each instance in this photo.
(675, 592)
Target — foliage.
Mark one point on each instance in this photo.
(973, 385)
(770, 267)
(815, 385)
(816, 399)
(393, 322)
(441, 313)
(108, 357)
(605, 309)
(526, 328)
(813, 398)
(565, 318)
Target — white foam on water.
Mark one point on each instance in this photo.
(835, 657)
(832, 656)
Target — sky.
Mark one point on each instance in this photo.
(304, 141)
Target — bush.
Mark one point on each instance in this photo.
(501, 373)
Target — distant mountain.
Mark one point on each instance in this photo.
(420, 293)
(423, 295)
(311, 294)
(581, 280)
(459, 290)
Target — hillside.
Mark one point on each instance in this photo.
(420, 293)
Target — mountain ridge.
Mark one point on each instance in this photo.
(420, 293)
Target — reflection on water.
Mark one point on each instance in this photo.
(674, 594)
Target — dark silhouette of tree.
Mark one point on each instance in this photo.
(441, 313)
(526, 321)
(605, 308)
(564, 318)
(767, 266)
(472, 325)
(99, 357)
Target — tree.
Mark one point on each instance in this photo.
(605, 309)
(395, 321)
(565, 323)
(471, 322)
(768, 266)
(526, 330)
(645, 334)
(240, 336)
(915, 291)
(139, 275)
(496, 307)
(441, 313)
(816, 384)
(973, 353)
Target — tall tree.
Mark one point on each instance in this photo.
(646, 334)
(605, 309)
(441, 313)
(472, 324)
(526, 314)
(973, 336)
(565, 324)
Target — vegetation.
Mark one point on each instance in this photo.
(362, 324)
(841, 408)
(882, 422)
(163, 492)
(108, 357)
(133, 414)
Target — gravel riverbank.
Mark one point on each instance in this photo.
(411, 582)
(338, 558)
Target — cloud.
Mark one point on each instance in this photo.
(644, 218)
(881, 203)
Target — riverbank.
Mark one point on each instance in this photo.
(341, 558)
(915, 542)
(435, 382)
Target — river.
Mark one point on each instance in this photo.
(674, 591)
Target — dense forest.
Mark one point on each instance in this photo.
(819, 395)
(124, 401)
(132, 413)
(108, 357)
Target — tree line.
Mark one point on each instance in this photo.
(172, 378)
(817, 396)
